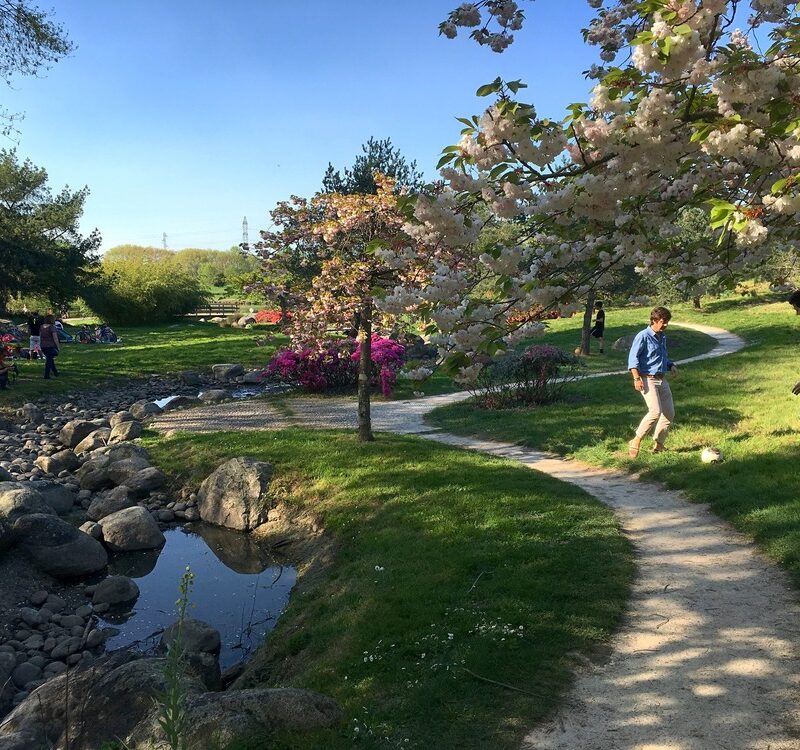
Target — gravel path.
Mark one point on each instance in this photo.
(707, 657)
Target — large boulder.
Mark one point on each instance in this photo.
(220, 719)
(103, 702)
(65, 460)
(120, 417)
(74, 431)
(58, 496)
(131, 529)
(5, 475)
(94, 440)
(224, 372)
(19, 499)
(115, 590)
(236, 494)
(109, 502)
(144, 408)
(200, 644)
(145, 481)
(57, 548)
(253, 377)
(94, 474)
(125, 431)
(124, 468)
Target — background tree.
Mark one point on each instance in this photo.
(376, 156)
(41, 248)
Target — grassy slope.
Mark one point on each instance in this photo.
(144, 350)
(741, 403)
(472, 548)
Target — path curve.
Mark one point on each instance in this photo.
(708, 655)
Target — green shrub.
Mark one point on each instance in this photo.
(129, 292)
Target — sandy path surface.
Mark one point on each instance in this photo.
(708, 655)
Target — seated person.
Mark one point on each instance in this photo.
(105, 334)
(62, 334)
(85, 336)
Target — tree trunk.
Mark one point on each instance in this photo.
(284, 312)
(587, 323)
(696, 302)
(364, 371)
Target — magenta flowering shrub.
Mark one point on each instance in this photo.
(334, 365)
(535, 375)
(387, 356)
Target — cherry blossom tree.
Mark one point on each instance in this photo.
(360, 252)
(695, 103)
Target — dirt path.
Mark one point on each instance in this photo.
(708, 655)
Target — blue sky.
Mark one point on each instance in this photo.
(183, 117)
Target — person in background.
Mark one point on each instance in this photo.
(34, 326)
(49, 344)
(598, 330)
(5, 368)
(649, 364)
(794, 301)
(62, 334)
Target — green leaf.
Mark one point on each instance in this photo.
(446, 159)
(643, 37)
(490, 88)
(465, 121)
(777, 187)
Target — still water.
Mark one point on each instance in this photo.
(239, 589)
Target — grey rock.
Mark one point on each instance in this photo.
(94, 474)
(226, 717)
(94, 440)
(65, 460)
(74, 431)
(66, 648)
(58, 496)
(5, 475)
(145, 481)
(254, 377)
(110, 502)
(223, 372)
(121, 470)
(25, 673)
(115, 590)
(188, 377)
(131, 529)
(19, 499)
(119, 417)
(30, 616)
(125, 431)
(31, 414)
(214, 395)
(236, 494)
(93, 529)
(144, 408)
(59, 549)
(95, 639)
(38, 598)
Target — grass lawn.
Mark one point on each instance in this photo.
(144, 350)
(446, 561)
(741, 403)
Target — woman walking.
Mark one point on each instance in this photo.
(598, 330)
(649, 365)
(48, 336)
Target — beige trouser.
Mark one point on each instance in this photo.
(660, 409)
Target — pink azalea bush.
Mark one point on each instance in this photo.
(334, 365)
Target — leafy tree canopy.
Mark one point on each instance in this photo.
(41, 247)
(376, 156)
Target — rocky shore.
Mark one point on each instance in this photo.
(74, 489)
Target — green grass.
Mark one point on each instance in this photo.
(741, 403)
(487, 566)
(143, 351)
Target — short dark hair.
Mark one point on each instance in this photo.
(794, 298)
(660, 313)
(598, 303)
(48, 319)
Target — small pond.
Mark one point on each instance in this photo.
(238, 588)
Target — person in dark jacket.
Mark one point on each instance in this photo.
(49, 342)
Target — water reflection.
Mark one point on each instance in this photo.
(238, 589)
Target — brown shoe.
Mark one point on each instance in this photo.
(633, 449)
(658, 448)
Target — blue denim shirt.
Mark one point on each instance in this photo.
(649, 353)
